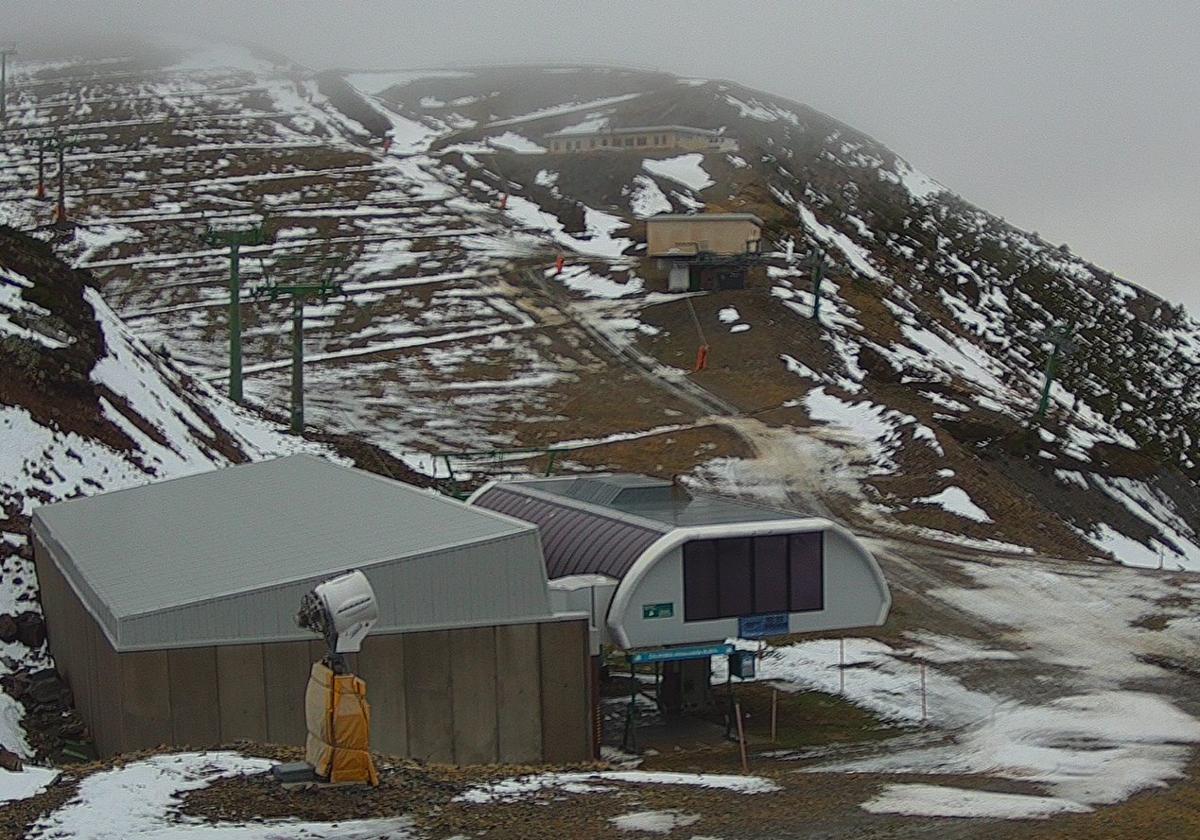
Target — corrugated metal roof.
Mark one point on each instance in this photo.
(678, 508)
(576, 540)
(606, 489)
(222, 534)
(600, 524)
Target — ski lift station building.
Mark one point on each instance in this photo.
(659, 566)
(170, 613)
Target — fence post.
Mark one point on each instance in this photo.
(774, 713)
(842, 665)
(741, 737)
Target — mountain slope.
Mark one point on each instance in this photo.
(455, 334)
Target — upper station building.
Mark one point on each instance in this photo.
(170, 610)
(657, 565)
(644, 138)
(705, 250)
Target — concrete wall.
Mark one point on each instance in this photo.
(687, 236)
(505, 693)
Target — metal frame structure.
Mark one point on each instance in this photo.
(234, 233)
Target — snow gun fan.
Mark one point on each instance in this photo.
(342, 610)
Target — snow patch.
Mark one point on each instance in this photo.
(683, 169)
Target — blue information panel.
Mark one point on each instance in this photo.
(672, 654)
(762, 626)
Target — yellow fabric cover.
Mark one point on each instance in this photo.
(338, 719)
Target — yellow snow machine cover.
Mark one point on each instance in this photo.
(339, 726)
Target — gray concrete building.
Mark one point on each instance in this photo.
(659, 566)
(170, 612)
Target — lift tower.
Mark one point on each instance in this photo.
(235, 232)
(5, 52)
(300, 293)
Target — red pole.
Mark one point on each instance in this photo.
(41, 188)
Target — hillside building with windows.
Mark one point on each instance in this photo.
(641, 138)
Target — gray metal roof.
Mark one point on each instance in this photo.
(184, 545)
(705, 217)
(600, 524)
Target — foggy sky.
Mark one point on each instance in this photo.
(1080, 120)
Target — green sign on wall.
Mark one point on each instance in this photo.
(666, 610)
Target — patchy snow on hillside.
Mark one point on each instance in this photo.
(654, 822)
(19, 316)
(512, 789)
(143, 799)
(600, 241)
(580, 278)
(1089, 743)
(873, 427)
(30, 781)
(513, 142)
(956, 500)
(646, 199)
(917, 800)
(919, 185)
(682, 169)
(564, 108)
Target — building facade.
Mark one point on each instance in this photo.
(170, 614)
(690, 234)
(665, 566)
(644, 138)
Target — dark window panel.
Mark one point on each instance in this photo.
(808, 571)
(700, 592)
(771, 574)
(736, 577)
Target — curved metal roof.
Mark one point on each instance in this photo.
(601, 523)
(575, 540)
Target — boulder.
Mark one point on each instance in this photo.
(10, 761)
(31, 630)
(8, 628)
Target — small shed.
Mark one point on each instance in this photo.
(690, 234)
(683, 568)
(170, 612)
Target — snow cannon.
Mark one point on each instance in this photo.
(342, 610)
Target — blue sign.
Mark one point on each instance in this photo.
(762, 626)
(673, 654)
